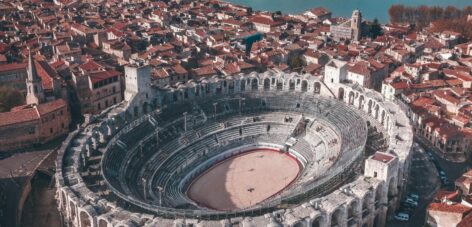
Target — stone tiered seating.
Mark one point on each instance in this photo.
(262, 120)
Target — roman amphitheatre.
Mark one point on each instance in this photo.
(247, 150)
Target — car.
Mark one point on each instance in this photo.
(407, 205)
(416, 199)
(411, 201)
(414, 196)
(408, 210)
(445, 181)
(430, 155)
(402, 216)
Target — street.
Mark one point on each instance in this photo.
(424, 181)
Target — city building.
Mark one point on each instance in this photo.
(350, 29)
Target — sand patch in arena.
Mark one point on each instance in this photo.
(244, 180)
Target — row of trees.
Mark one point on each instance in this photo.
(422, 16)
(457, 25)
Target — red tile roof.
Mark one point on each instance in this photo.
(382, 157)
(13, 67)
(25, 115)
(52, 106)
(449, 208)
(99, 76)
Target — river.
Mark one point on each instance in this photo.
(343, 8)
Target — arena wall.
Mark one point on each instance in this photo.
(363, 202)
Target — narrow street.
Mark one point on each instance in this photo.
(424, 181)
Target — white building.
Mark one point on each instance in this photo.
(335, 71)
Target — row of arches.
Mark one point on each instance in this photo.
(368, 105)
(356, 212)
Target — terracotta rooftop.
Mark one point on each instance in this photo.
(13, 67)
(24, 115)
(382, 157)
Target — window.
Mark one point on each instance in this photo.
(31, 131)
(375, 174)
(53, 116)
(51, 130)
(62, 125)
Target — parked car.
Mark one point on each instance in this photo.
(402, 216)
(411, 201)
(408, 205)
(413, 196)
(442, 173)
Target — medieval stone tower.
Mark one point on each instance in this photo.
(356, 21)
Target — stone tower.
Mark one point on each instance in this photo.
(34, 88)
(356, 21)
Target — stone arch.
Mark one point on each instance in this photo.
(298, 224)
(318, 221)
(146, 107)
(392, 188)
(377, 221)
(378, 196)
(382, 117)
(164, 100)
(366, 202)
(341, 94)
(242, 85)
(351, 98)
(336, 217)
(369, 107)
(361, 102)
(376, 111)
(254, 84)
(197, 91)
(291, 85)
(102, 223)
(266, 84)
(219, 87)
(304, 86)
(85, 219)
(317, 88)
(231, 87)
(185, 93)
(353, 212)
(63, 201)
(72, 210)
(280, 84)
(175, 98)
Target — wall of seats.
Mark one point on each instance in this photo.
(363, 202)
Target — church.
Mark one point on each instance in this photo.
(44, 117)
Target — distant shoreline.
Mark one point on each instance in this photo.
(371, 9)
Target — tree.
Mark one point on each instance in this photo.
(422, 16)
(396, 13)
(9, 98)
(375, 28)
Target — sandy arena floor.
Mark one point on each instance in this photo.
(244, 180)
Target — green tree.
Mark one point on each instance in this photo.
(9, 98)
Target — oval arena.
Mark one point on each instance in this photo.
(249, 150)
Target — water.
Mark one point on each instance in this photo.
(343, 8)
